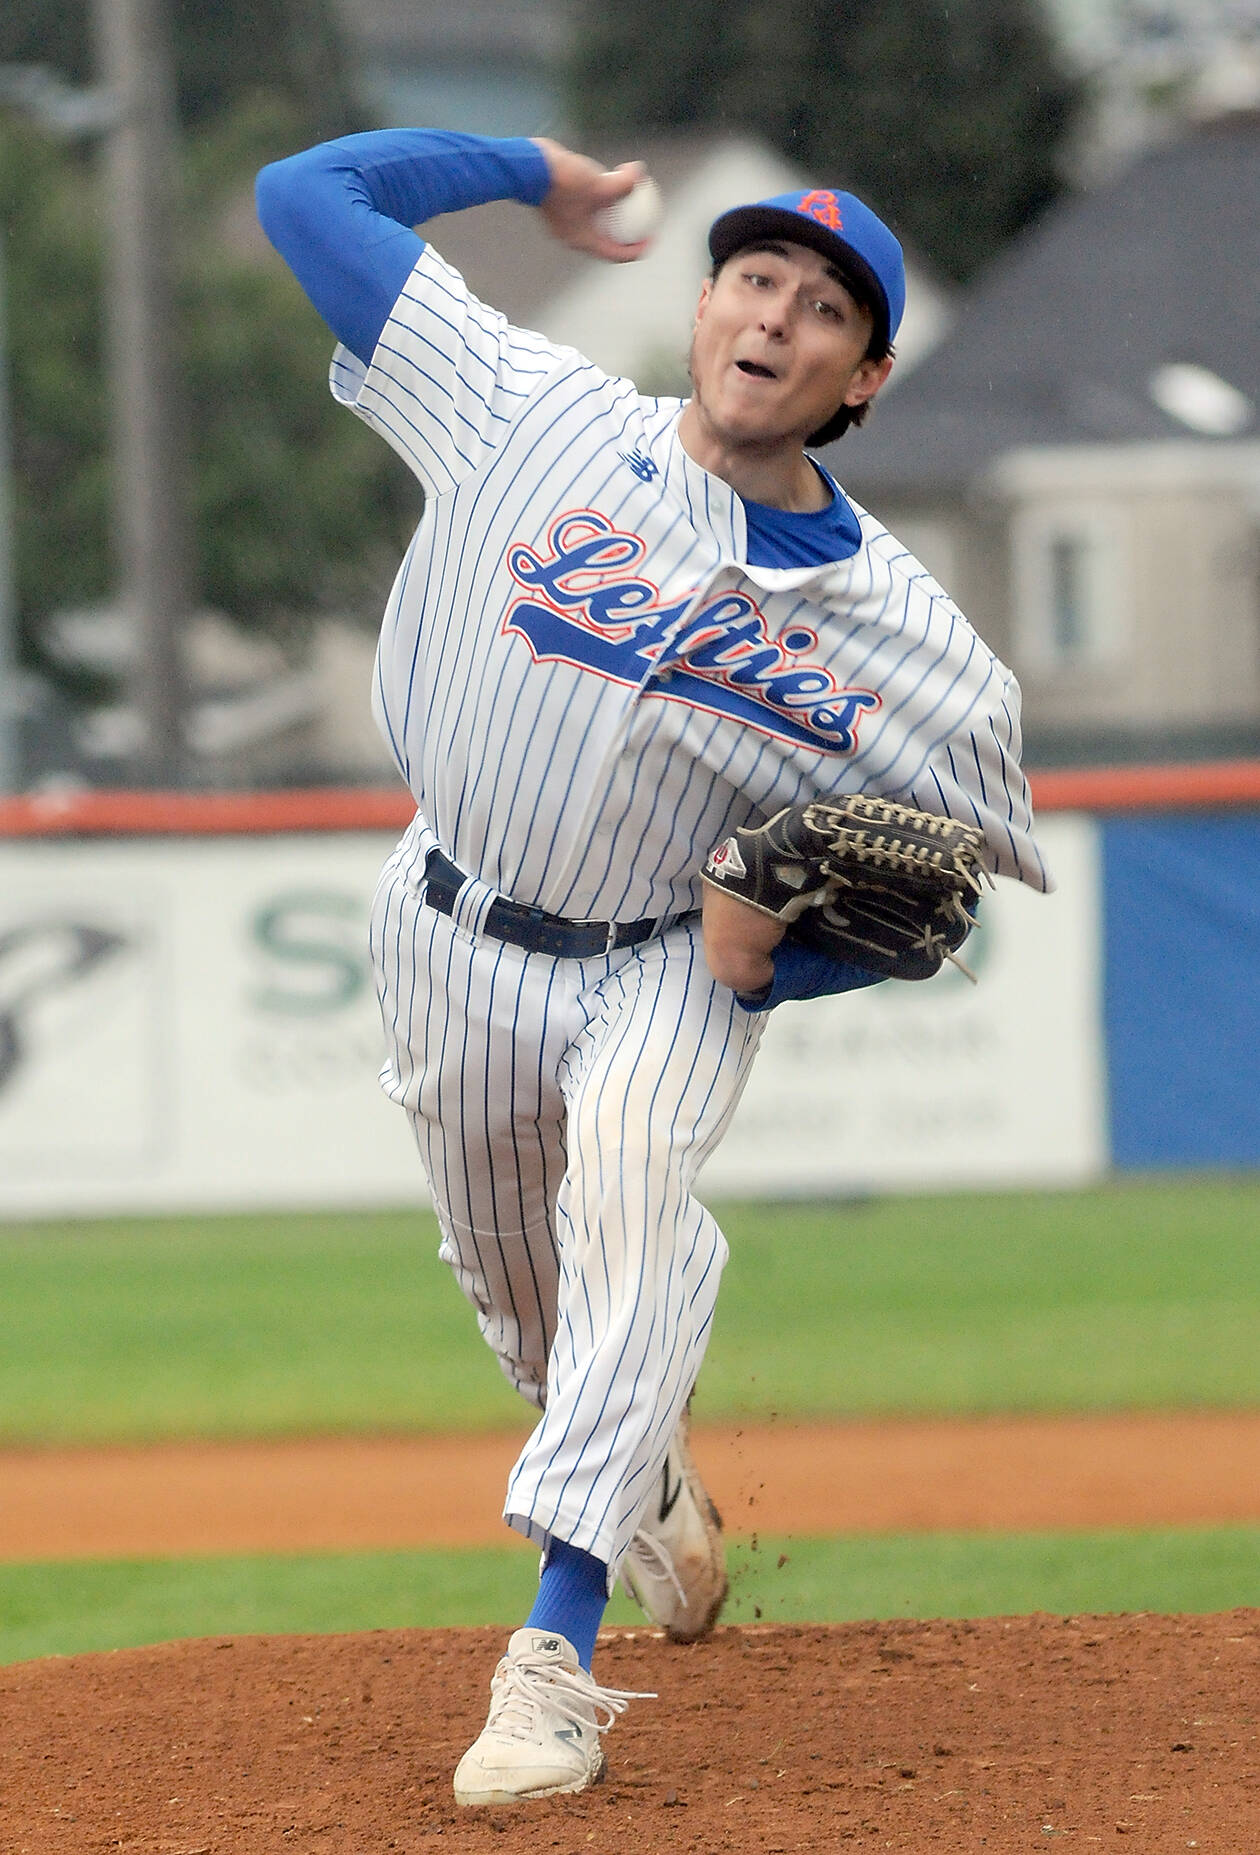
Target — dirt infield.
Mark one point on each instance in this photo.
(995, 1735)
(998, 1474)
(1005, 1736)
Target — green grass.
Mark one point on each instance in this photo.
(1140, 1295)
(1143, 1295)
(69, 1608)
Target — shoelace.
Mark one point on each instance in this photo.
(656, 1562)
(525, 1685)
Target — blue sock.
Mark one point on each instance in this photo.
(572, 1597)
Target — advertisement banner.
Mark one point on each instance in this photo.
(189, 1024)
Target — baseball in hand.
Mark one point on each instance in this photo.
(633, 217)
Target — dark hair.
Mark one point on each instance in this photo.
(877, 349)
(845, 416)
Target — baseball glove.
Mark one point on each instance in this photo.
(860, 879)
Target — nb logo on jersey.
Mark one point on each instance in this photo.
(823, 206)
(642, 465)
(583, 604)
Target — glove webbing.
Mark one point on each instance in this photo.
(933, 940)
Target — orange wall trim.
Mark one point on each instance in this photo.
(1147, 788)
(204, 814)
(348, 808)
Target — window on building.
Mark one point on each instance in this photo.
(1071, 610)
(1070, 605)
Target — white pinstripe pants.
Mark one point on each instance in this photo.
(562, 1109)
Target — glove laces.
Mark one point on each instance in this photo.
(937, 944)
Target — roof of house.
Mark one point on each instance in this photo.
(1116, 306)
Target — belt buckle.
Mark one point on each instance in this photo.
(610, 941)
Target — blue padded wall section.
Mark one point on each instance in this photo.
(1181, 904)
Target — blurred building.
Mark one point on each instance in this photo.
(1156, 66)
(461, 64)
(1078, 462)
(257, 714)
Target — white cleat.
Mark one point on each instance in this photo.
(542, 1736)
(676, 1566)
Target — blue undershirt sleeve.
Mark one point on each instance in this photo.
(800, 972)
(341, 214)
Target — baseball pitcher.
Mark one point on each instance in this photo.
(689, 734)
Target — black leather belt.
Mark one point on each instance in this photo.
(533, 928)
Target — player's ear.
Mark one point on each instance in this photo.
(867, 379)
(706, 291)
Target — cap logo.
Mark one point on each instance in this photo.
(823, 206)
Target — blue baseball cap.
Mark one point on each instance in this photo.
(841, 229)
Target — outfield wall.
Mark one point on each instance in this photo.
(187, 1019)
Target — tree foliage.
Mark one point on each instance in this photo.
(55, 375)
(296, 507)
(950, 114)
(223, 51)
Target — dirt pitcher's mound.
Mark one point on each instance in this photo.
(1002, 1735)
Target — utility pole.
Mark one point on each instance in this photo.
(135, 65)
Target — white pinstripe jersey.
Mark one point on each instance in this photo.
(584, 683)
